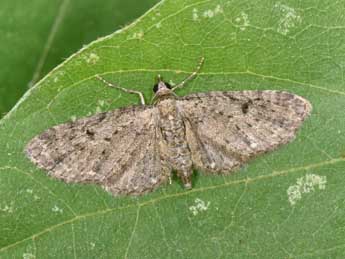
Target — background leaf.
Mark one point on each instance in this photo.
(289, 203)
(38, 36)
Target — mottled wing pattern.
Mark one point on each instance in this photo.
(226, 129)
(116, 149)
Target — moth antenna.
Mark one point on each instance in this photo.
(191, 76)
(141, 96)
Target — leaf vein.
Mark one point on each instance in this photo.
(133, 232)
(166, 197)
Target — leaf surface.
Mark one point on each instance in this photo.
(289, 203)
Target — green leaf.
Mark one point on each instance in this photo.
(38, 36)
(289, 203)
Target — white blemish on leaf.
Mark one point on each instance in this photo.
(92, 245)
(92, 58)
(98, 109)
(58, 75)
(242, 21)
(305, 184)
(199, 206)
(289, 18)
(73, 118)
(56, 209)
(28, 256)
(29, 191)
(8, 208)
(137, 35)
(218, 9)
(158, 25)
(195, 14)
(29, 253)
(101, 102)
(208, 14)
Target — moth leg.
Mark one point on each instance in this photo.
(191, 76)
(142, 100)
(186, 178)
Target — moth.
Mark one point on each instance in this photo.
(133, 150)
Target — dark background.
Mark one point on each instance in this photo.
(38, 35)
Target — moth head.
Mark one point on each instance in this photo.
(160, 85)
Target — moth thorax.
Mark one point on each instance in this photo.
(167, 106)
(165, 94)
